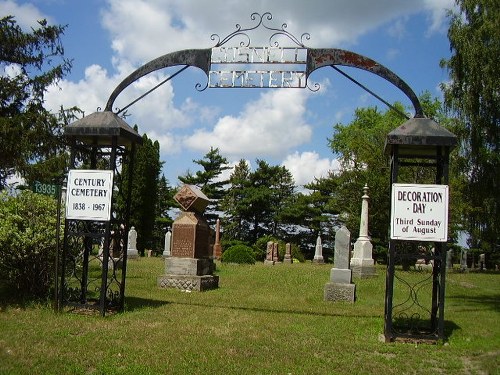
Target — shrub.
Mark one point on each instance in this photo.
(260, 247)
(28, 243)
(240, 254)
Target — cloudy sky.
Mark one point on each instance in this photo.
(109, 39)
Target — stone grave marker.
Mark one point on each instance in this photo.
(269, 253)
(288, 254)
(217, 246)
(318, 254)
(275, 253)
(132, 252)
(463, 260)
(168, 244)
(482, 262)
(362, 263)
(190, 266)
(449, 259)
(340, 286)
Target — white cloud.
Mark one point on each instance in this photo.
(308, 165)
(438, 10)
(26, 15)
(272, 125)
(88, 94)
(269, 126)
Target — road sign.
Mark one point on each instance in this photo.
(88, 195)
(419, 212)
(45, 189)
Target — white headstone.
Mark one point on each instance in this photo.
(463, 260)
(362, 263)
(340, 287)
(132, 244)
(318, 255)
(168, 244)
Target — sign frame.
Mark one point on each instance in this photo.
(89, 194)
(419, 212)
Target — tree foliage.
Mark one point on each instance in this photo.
(256, 202)
(28, 243)
(210, 180)
(360, 148)
(31, 136)
(473, 94)
(144, 193)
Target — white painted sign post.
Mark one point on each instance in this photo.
(88, 195)
(419, 212)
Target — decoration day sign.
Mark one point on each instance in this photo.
(88, 195)
(419, 212)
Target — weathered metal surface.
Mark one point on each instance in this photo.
(98, 129)
(420, 133)
(199, 58)
(320, 57)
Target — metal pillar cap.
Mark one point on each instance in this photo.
(100, 127)
(420, 134)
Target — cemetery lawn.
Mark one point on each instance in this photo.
(261, 320)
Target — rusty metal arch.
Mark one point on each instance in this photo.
(316, 58)
(190, 57)
(320, 57)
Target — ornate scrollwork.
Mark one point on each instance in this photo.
(260, 21)
(199, 87)
(315, 86)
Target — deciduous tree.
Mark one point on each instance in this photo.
(473, 95)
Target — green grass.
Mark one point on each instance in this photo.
(261, 320)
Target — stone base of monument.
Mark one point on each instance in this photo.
(132, 254)
(189, 282)
(340, 292)
(115, 263)
(189, 274)
(318, 260)
(363, 268)
(268, 262)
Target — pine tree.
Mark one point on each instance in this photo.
(31, 136)
(210, 181)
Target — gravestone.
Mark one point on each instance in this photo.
(168, 244)
(275, 253)
(463, 260)
(288, 254)
(132, 252)
(362, 263)
(190, 266)
(340, 286)
(482, 262)
(449, 259)
(318, 254)
(217, 246)
(269, 253)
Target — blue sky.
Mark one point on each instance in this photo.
(108, 39)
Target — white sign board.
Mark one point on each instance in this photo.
(419, 212)
(88, 195)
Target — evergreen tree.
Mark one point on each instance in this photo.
(473, 96)
(256, 201)
(234, 204)
(144, 194)
(31, 136)
(165, 202)
(209, 180)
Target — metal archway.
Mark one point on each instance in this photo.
(316, 58)
(309, 60)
